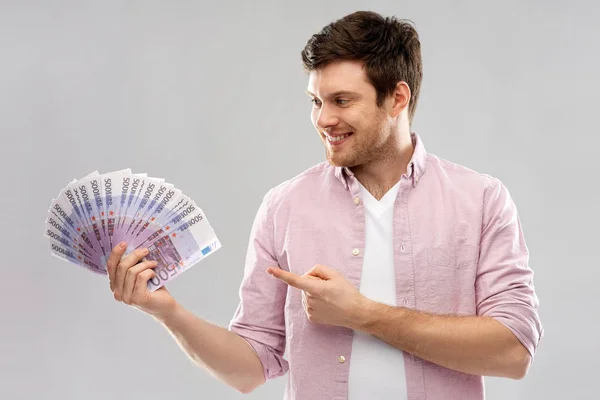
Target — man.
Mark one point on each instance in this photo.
(388, 272)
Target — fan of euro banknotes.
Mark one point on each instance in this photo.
(93, 214)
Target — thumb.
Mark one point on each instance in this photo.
(322, 272)
(313, 277)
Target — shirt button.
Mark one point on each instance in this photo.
(402, 247)
(356, 252)
(356, 200)
(341, 359)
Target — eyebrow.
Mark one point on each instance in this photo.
(338, 93)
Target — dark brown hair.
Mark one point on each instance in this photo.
(388, 47)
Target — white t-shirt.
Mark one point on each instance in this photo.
(377, 368)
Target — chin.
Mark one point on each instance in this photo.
(341, 161)
(346, 158)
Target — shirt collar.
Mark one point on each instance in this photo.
(415, 169)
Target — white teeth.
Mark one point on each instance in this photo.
(337, 138)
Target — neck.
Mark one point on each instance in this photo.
(380, 175)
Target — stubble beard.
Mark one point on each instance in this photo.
(361, 152)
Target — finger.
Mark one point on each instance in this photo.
(307, 276)
(292, 279)
(122, 268)
(307, 299)
(322, 272)
(308, 294)
(113, 261)
(141, 283)
(133, 258)
(304, 299)
(131, 277)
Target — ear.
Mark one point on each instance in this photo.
(400, 99)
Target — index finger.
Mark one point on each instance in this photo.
(113, 260)
(299, 282)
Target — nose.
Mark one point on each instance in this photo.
(325, 117)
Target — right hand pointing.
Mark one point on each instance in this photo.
(128, 278)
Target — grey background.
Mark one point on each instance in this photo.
(210, 96)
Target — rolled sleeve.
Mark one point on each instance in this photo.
(504, 282)
(259, 317)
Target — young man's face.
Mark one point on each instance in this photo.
(351, 126)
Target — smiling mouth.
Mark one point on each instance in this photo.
(338, 138)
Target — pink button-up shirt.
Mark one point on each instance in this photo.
(458, 249)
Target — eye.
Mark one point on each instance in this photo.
(341, 102)
(316, 102)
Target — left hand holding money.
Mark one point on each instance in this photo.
(327, 296)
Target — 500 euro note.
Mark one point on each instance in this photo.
(180, 248)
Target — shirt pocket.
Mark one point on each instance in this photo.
(453, 256)
(451, 278)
